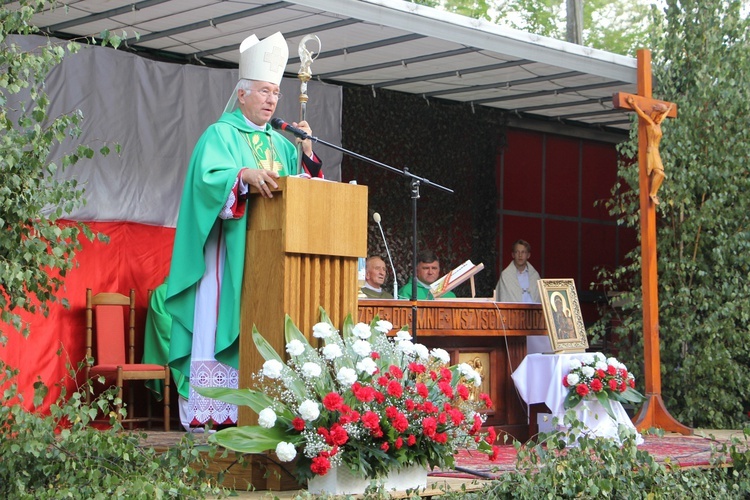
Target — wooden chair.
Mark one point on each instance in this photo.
(104, 315)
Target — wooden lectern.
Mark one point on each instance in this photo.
(301, 254)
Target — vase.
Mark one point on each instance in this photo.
(342, 481)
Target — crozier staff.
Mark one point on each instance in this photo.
(240, 150)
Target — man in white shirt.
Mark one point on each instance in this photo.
(518, 283)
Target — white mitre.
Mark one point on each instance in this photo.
(264, 60)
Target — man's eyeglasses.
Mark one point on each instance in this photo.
(265, 93)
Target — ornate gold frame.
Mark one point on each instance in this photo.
(565, 328)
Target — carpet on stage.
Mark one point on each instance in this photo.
(684, 451)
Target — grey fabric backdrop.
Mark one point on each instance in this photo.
(156, 111)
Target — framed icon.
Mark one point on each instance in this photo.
(562, 314)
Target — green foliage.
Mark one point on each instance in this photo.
(701, 57)
(61, 456)
(35, 252)
(602, 468)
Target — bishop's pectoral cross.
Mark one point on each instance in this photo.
(651, 112)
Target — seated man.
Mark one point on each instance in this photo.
(375, 274)
(428, 271)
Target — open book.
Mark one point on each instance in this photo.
(455, 277)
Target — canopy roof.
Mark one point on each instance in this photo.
(381, 44)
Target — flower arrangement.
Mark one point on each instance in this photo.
(594, 376)
(363, 400)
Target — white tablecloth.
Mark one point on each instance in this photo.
(538, 379)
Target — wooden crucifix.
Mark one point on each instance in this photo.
(651, 113)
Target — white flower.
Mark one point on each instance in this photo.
(441, 354)
(311, 370)
(295, 348)
(403, 335)
(573, 379)
(422, 351)
(465, 370)
(383, 326)
(309, 410)
(362, 331)
(267, 418)
(587, 371)
(362, 348)
(405, 346)
(286, 451)
(322, 330)
(332, 351)
(346, 376)
(367, 365)
(600, 357)
(477, 379)
(272, 368)
(587, 359)
(601, 365)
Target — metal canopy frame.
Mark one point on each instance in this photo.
(381, 44)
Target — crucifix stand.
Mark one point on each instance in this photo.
(653, 413)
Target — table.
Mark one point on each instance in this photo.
(538, 379)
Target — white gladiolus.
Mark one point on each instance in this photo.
(403, 335)
(311, 370)
(441, 354)
(267, 418)
(322, 330)
(362, 330)
(362, 347)
(405, 346)
(295, 348)
(573, 379)
(309, 410)
(272, 368)
(383, 326)
(286, 451)
(367, 365)
(346, 376)
(421, 351)
(332, 351)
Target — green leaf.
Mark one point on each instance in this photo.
(250, 439)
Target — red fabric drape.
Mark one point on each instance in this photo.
(137, 256)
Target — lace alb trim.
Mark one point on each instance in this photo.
(211, 374)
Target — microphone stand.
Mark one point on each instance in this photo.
(415, 183)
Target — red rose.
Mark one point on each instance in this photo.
(429, 427)
(298, 424)
(596, 385)
(394, 389)
(417, 367)
(400, 422)
(463, 391)
(582, 390)
(445, 388)
(320, 466)
(333, 401)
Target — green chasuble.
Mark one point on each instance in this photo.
(423, 293)
(221, 152)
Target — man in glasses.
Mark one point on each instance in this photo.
(238, 152)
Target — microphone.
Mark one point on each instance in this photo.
(280, 124)
(376, 218)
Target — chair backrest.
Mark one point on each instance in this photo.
(104, 314)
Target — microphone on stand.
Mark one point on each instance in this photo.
(280, 124)
(376, 218)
